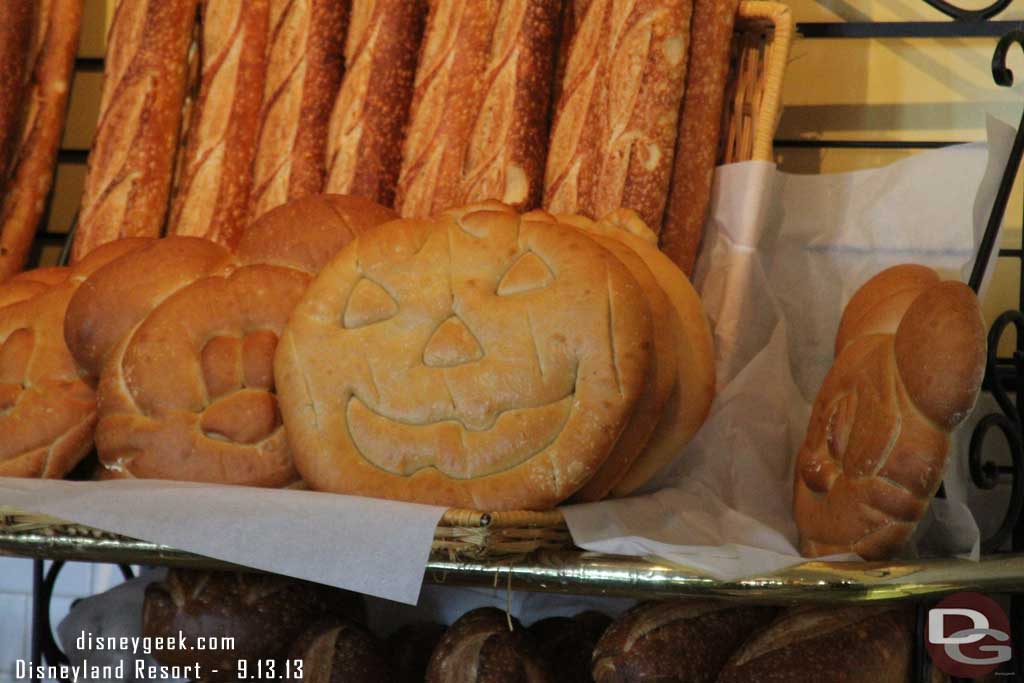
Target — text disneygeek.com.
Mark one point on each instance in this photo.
(141, 669)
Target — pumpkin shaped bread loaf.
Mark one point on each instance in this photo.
(910, 357)
(47, 407)
(480, 359)
(183, 335)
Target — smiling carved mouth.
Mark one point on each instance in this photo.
(451, 448)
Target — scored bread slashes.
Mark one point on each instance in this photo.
(910, 357)
(480, 359)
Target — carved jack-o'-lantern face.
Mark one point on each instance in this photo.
(480, 359)
(186, 392)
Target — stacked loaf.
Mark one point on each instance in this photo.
(490, 360)
(215, 111)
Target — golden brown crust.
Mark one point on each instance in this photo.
(47, 409)
(34, 151)
(212, 193)
(878, 436)
(825, 644)
(186, 333)
(364, 146)
(132, 158)
(694, 389)
(304, 70)
(700, 123)
(615, 123)
(480, 360)
(478, 125)
(17, 28)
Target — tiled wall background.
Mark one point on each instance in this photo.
(76, 580)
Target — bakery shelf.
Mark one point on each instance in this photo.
(575, 571)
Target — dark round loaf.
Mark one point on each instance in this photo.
(568, 644)
(338, 651)
(827, 644)
(481, 648)
(409, 650)
(263, 613)
(675, 641)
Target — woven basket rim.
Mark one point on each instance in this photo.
(780, 16)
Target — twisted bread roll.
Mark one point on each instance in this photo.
(47, 410)
(42, 102)
(827, 644)
(479, 112)
(364, 145)
(615, 124)
(304, 69)
(185, 332)
(212, 193)
(132, 158)
(910, 357)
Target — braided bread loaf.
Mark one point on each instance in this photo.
(910, 357)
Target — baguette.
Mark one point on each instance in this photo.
(480, 106)
(212, 194)
(616, 119)
(364, 148)
(130, 168)
(699, 130)
(17, 27)
(34, 156)
(304, 69)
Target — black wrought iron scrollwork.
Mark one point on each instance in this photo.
(969, 15)
(1002, 376)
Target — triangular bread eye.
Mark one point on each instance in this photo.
(526, 274)
(368, 304)
(451, 344)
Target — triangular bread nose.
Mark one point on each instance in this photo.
(451, 344)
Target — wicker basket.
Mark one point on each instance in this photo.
(764, 31)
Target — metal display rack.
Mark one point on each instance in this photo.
(1001, 571)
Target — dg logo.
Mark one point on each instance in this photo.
(968, 635)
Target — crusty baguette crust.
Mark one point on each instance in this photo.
(616, 120)
(699, 130)
(212, 195)
(32, 164)
(304, 69)
(480, 106)
(17, 27)
(132, 159)
(364, 146)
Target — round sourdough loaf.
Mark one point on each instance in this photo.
(47, 409)
(478, 359)
(487, 646)
(338, 651)
(909, 365)
(674, 641)
(694, 386)
(827, 644)
(184, 334)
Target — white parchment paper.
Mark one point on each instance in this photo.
(783, 254)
